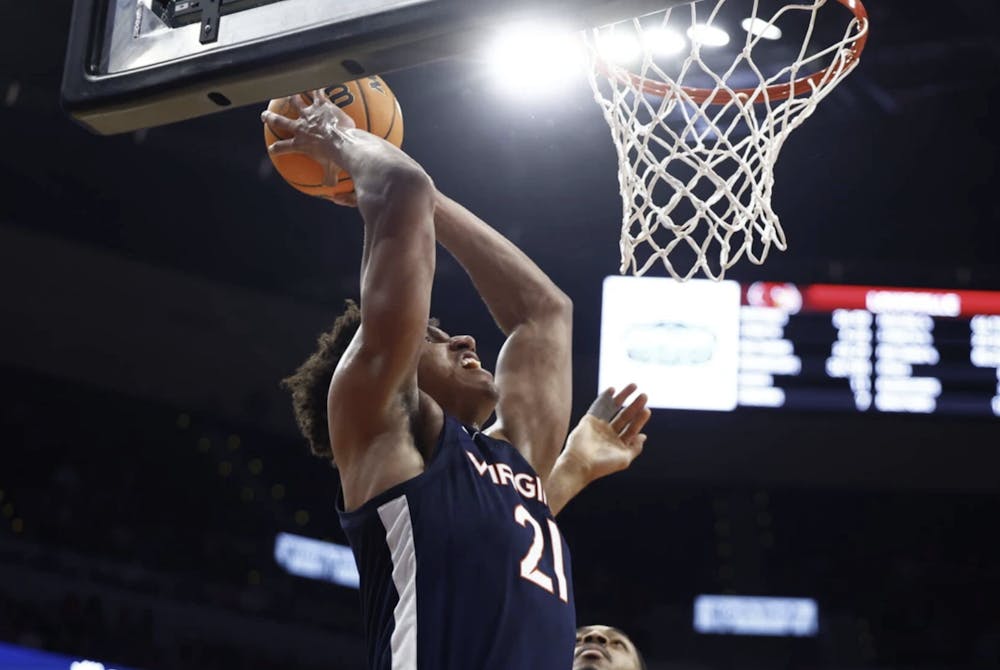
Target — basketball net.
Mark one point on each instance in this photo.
(697, 141)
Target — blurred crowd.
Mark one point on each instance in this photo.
(142, 535)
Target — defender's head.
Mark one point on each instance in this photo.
(449, 372)
(605, 648)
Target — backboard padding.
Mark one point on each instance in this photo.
(126, 70)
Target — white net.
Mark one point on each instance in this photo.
(698, 133)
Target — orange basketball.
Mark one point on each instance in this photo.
(373, 107)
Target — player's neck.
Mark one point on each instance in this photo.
(470, 417)
(469, 409)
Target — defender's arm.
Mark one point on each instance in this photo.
(607, 440)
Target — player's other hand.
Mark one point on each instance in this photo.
(609, 437)
(319, 132)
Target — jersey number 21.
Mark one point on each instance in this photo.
(529, 564)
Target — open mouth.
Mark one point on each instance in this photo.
(592, 652)
(470, 362)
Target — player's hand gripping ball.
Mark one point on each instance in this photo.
(368, 101)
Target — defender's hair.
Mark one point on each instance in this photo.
(310, 384)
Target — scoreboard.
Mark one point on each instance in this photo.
(722, 345)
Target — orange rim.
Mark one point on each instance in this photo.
(776, 92)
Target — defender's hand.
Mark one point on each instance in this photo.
(609, 438)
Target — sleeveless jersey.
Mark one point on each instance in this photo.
(463, 567)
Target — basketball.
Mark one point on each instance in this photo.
(372, 105)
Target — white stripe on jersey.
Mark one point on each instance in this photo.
(395, 516)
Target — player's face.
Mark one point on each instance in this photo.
(604, 648)
(451, 373)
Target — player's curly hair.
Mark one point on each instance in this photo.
(310, 384)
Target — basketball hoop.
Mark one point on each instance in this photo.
(698, 135)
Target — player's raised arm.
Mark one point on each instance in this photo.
(534, 374)
(374, 387)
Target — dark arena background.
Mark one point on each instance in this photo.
(158, 509)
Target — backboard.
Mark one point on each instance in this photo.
(134, 64)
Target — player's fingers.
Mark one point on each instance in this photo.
(280, 147)
(334, 175)
(344, 120)
(637, 424)
(320, 96)
(604, 406)
(635, 444)
(643, 418)
(297, 103)
(623, 395)
(279, 122)
(346, 199)
(629, 414)
(307, 99)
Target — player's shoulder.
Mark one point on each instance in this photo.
(374, 456)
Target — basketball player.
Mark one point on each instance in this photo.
(462, 565)
(605, 648)
(606, 440)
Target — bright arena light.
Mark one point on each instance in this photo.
(664, 42)
(619, 47)
(761, 28)
(710, 36)
(535, 59)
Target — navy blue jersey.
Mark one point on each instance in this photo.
(463, 567)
